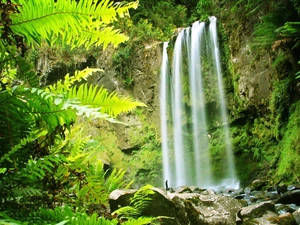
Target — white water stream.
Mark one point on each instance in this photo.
(194, 75)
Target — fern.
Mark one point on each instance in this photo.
(127, 212)
(138, 203)
(82, 23)
(26, 192)
(66, 215)
(142, 197)
(37, 169)
(108, 103)
(140, 221)
(116, 180)
(26, 72)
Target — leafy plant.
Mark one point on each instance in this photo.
(76, 23)
(40, 168)
(289, 154)
(137, 204)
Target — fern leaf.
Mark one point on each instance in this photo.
(115, 180)
(68, 80)
(65, 214)
(142, 197)
(99, 97)
(25, 72)
(82, 23)
(26, 192)
(37, 169)
(127, 212)
(140, 221)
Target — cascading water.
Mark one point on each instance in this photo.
(230, 176)
(164, 114)
(194, 80)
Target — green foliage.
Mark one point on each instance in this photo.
(289, 147)
(249, 6)
(41, 166)
(147, 160)
(108, 103)
(116, 180)
(152, 21)
(138, 203)
(161, 15)
(76, 23)
(65, 215)
(142, 198)
(277, 29)
(204, 9)
(265, 32)
(280, 103)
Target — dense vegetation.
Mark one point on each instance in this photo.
(269, 132)
(49, 165)
(49, 174)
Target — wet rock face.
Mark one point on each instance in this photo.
(254, 84)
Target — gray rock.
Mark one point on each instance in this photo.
(209, 208)
(120, 198)
(296, 216)
(257, 210)
(290, 197)
(284, 219)
(282, 208)
(183, 189)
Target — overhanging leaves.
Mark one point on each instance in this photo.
(82, 23)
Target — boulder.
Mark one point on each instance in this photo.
(290, 197)
(257, 184)
(282, 208)
(158, 205)
(293, 187)
(284, 219)
(296, 216)
(161, 205)
(120, 198)
(183, 189)
(257, 210)
(209, 208)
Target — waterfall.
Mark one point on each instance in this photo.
(230, 176)
(188, 83)
(164, 114)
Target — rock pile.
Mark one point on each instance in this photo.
(194, 206)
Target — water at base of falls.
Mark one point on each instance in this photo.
(191, 81)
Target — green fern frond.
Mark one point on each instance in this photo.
(41, 107)
(100, 98)
(37, 169)
(24, 141)
(63, 214)
(93, 192)
(140, 221)
(127, 212)
(115, 180)
(82, 23)
(14, 125)
(7, 220)
(26, 192)
(26, 72)
(142, 197)
(68, 81)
